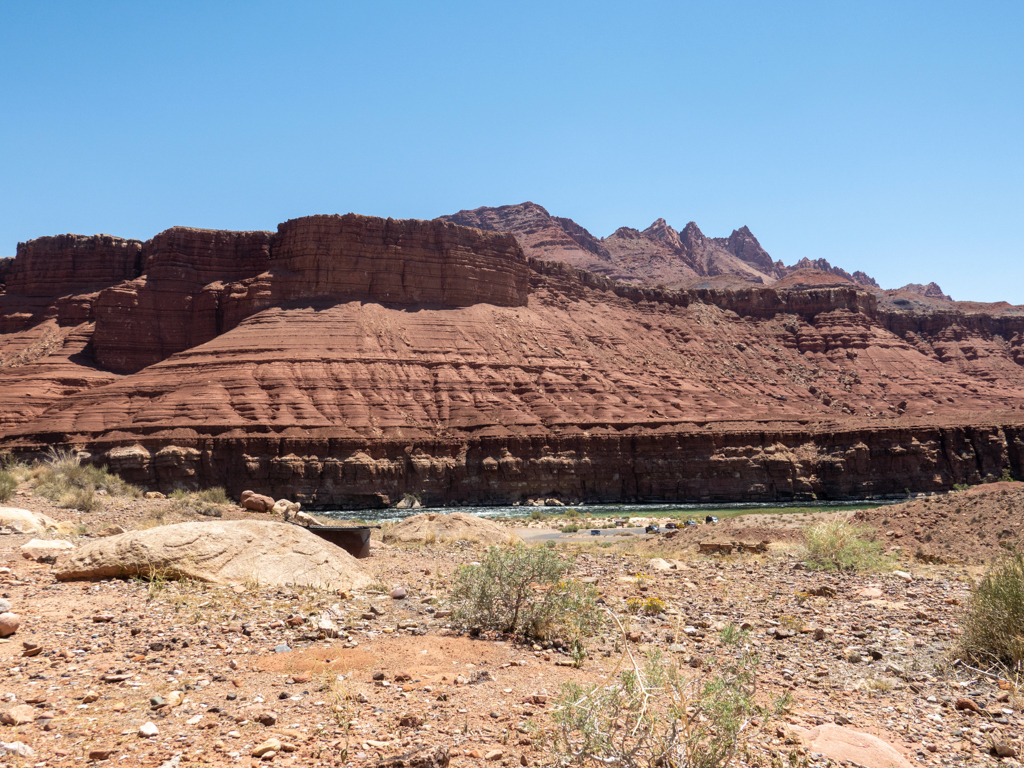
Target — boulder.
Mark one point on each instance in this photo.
(284, 507)
(9, 623)
(847, 745)
(457, 526)
(660, 564)
(42, 549)
(307, 520)
(256, 502)
(222, 552)
(26, 521)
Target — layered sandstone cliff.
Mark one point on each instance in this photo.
(199, 284)
(345, 360)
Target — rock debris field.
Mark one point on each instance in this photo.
(136, 671)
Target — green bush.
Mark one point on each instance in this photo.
(8, 484)
(522, 591)
(653, 715)
(993, 618)
(837, 545)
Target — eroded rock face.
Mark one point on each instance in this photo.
(346, 360)
(66, 264)
(201, 283)
(176, 304)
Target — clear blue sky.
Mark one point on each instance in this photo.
(882, 136)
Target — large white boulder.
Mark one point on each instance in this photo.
(221, 552)
(26, 521)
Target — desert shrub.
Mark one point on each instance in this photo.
(63, 475)
(206, 502)
(993, 618)
(82, 499)
(651, 606)
(655, 716)
(524, 591)
(8, 484)
(837, 545)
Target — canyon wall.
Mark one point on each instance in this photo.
(68, 264)
(693, 466)
(201, 283)
(349, 360)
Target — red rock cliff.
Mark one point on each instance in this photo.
(66, 264)
(201, 283)
(344, 359)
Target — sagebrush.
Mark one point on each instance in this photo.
(838, 545)
(525, 591)
(993, 619)
(64, 479)
(653, 715)
(8, 484)
(207, 502)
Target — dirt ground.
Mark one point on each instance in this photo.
(97, 661)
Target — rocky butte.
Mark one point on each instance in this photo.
(348, 360)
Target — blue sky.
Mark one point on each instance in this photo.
(887, 137)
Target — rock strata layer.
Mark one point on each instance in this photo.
(348, 360)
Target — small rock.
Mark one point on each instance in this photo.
(1004, 749)
(270, 745)
(100, 753)
(9, 623)
(5, 605)
(399, 593)
(411, 721)
(967, 705)
(89, 698)
(16, 748)
(148, 730)
(871, 592)
(19, 715)
(283, 648)
(266, 718)
(854, 657)
(102, 618)
(903, 575)
(431, 757)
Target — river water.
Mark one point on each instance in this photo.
(619, 510)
